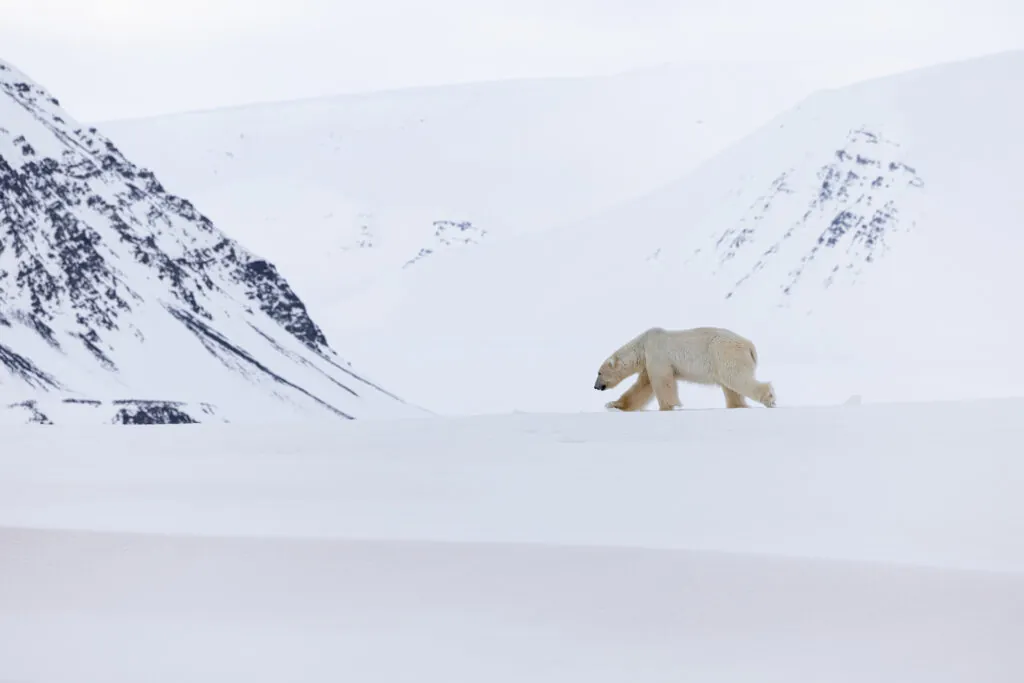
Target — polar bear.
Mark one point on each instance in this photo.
(701, 355)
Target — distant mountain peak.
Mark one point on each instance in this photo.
(817, 224)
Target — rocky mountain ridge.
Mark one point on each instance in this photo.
(853, 206)
(96, 256)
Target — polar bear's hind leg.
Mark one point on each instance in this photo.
(735, 366)
(734, 399)
(666, 389)
(762, 392)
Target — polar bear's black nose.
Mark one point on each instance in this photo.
(599, 385)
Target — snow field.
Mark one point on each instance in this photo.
(875, 542)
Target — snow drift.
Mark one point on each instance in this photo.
(113, 289)
(866, 240)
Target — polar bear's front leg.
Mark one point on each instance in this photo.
(636, 397)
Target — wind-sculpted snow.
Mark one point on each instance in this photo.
(92, 247)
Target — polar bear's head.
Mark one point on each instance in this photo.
(611, 372)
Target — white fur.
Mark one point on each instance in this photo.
(701, 355)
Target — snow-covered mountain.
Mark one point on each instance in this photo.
(120, 301)
(340, 190)
(870, 235)
(852, 206)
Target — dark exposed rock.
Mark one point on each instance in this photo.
(449, 234)
(33, 414)
(850, 213)
(151, 413)
(93, 246)
(41, 220)
(24, 369)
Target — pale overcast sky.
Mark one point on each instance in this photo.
(119, 58)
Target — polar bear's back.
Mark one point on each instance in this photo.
(699, 354)
(695, 337)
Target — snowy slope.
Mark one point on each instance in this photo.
(119, 299)
(875, 543)
(868, 240)
(342, 189)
